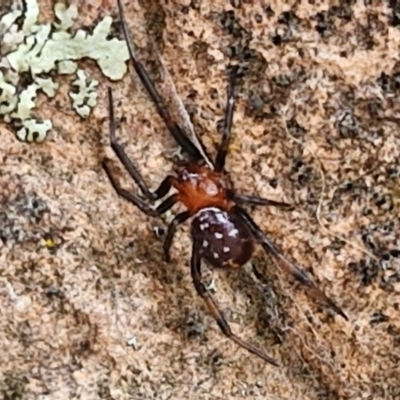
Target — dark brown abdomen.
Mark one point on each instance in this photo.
(222, 238)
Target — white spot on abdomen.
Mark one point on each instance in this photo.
(204, 226)
(233, 233)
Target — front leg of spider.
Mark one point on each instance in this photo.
(195, 268)
(155, 96)
(119, 151)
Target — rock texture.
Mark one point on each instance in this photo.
(89, 309)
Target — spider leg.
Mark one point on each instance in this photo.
(195, 268)
(176, 132)
(228, 119)
(286, 264)
(161, 191)
(257, 201)
(178, 219)
(167, 203)
(137, 201)
(128, 164)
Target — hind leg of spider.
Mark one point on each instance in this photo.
(228, 119)
(285, 264)
(175, 130)
(178, 219)
(256, 201)
(195, 268)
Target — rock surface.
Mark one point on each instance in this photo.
(89, 309)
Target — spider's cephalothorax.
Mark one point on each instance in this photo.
(200, 187)
(223, 233)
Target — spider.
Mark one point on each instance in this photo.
(222, 232)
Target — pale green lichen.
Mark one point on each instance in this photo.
(9, 35)
(67, 67)
(27, 96)
(8, 98)
(67, 16)
(39, 49)
(86, 97)
(33, 130)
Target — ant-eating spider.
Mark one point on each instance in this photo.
(223, 233)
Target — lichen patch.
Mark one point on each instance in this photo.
(36, 53)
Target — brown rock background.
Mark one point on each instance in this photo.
(316, 125)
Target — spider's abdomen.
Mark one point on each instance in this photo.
(222, 238)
